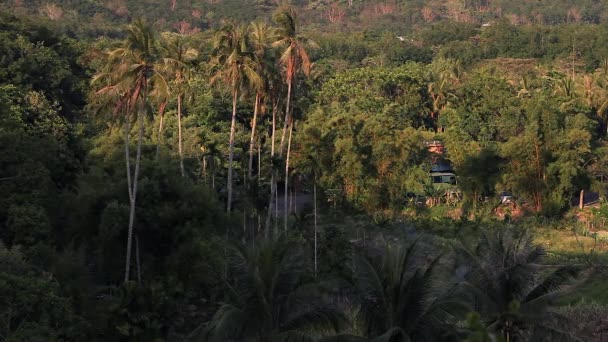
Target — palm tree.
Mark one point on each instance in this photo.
(564, 86)
(594, 91)
(261, 34)
(177, 57)
(130, 72)
(442, 76)
(398, 296)
(236, 68)
(509, 288)
(293, 59)
(270, 299)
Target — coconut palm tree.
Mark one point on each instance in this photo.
(176, 61)
(593, 89)
(129, 74)
(442, 76)
(294, 59)
(236, 68)
(271, 299)
(440, 93)
(399, 298)
(509, 287)
(261, 35)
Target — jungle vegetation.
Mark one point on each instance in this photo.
(259, 170)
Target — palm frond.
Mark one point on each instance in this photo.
(226, 323)
(554, 281)
(342, 338)
(393, 335)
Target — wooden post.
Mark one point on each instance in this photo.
(315, 215)
(581, 201)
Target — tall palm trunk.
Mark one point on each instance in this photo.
(161, 114)
(127, 152)
(231, 151)
(252, 139)
(285, 213)
(288, 124)
(137, 260)
(287, 119)
(204, 170)
(273, 181)
(271, 204)
(179, 134)
(259, 160)
(133, 189)
(131, 213)
(275, 109)
(314, 199)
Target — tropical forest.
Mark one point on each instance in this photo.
(304, 170)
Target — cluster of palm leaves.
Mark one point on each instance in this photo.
(398, 293)
(258, 61)
(513, 290)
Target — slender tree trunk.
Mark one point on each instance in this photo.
(539, 173)
(275, 108)
(161, 114)
(288, 124)
(285, 214)
(270, 203)
(138, 262)
(128, 153)
(140, 121)
(205, 170)
(231, 153)
(259, 160)
(257, 232)
(244, 225)
(273, 180)
(287, 119)
(314, 199)
(179, 134)
(131, 207)
(128, 166)
(211, 172)
(252, 139)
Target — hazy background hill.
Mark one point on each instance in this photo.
(364, 32)
(340, 14)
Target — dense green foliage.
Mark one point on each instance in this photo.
(263, 175)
